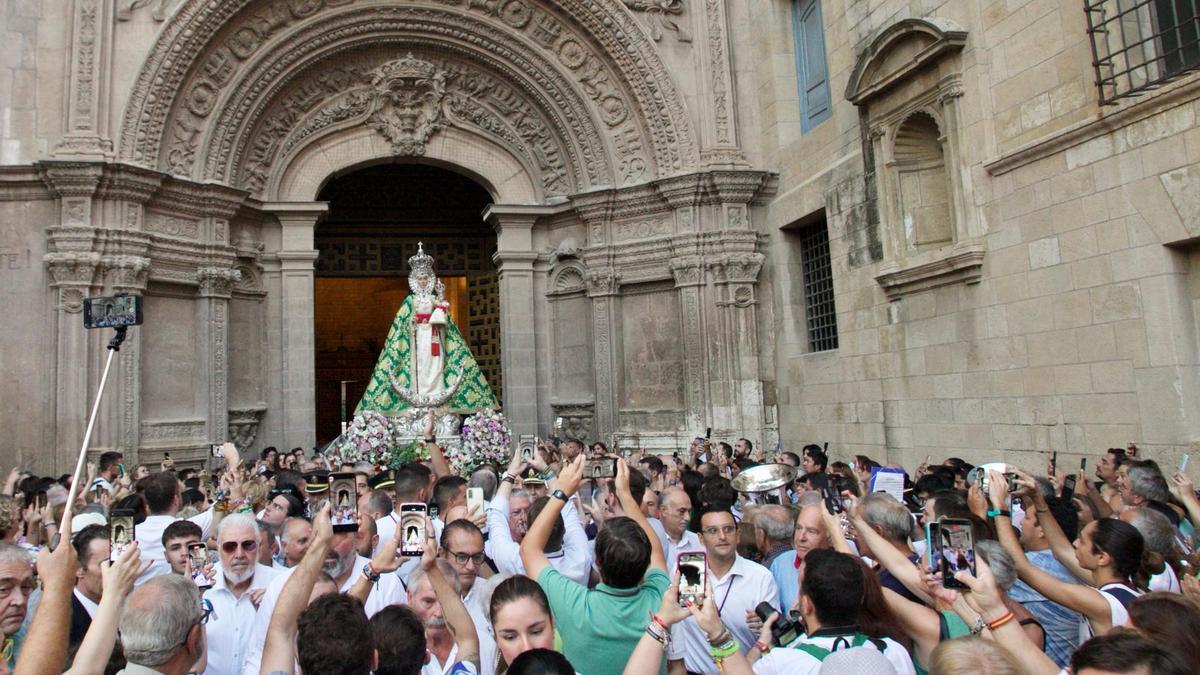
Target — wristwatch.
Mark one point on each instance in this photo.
(370, 573)
(559, 494)
(992, 513)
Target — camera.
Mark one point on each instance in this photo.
(114, 311)
(784, 631)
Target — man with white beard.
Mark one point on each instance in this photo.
(236, 593)
(344, 566)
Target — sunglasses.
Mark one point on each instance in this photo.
(230, 546)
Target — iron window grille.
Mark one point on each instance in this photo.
(1138, 45)
(818, 288)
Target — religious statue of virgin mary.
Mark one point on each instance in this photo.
(425, 362)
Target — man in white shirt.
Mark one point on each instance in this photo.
(162, 498)
(462, 547)
(108, 471)
(510, 511)
(738, 586)
(236, 593)
(831, 594)
(675, 509)
(411, 486)
(344, 566)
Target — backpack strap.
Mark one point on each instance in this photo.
(818, 653)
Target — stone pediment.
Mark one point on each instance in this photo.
(899, 52)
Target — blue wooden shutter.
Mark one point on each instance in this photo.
(812, 73)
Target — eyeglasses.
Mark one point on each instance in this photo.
(248, 546)
(714, 531)
(464, 558)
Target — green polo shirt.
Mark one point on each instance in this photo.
(600, 627)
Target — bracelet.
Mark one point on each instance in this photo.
(993, 625)
(654, 618)
(508, 477)
(729, 648)
(993, 513)
(659, 638)
(978, 627)
(762, 646)
(721, 639)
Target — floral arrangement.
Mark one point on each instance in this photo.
(485, 440)
(371, 437)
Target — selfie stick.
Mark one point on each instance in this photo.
(114, 346)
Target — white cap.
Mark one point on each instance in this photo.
(87, 520)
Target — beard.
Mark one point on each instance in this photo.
(338, 566)
(239, 574)
(435, 623)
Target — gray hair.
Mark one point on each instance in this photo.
(776, 522)
(415, 577)
(364, 467)
(811, 498)
(999, 560)
(881, 510)
(1149, 483)
(285, 529)
(485, 478)
(1156, 529)
(157, 617)
(237, 520)
(14, 554)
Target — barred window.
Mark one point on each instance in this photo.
(1138, 45)
(818, 287)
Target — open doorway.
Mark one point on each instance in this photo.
(377, 215)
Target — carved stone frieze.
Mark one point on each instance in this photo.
(126, 273)
(687, 271)
(610, 60)
(740, 267)
(158, 432)
(658, 16)
(642, 229)
(406, 103)
(568, 278)
(603, 282)
(173, 226)
(718, 66)
(217, 281)
(72, 268)
(160, 8)
(578, 420)
(243, 425)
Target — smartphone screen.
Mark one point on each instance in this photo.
(933, 546)
(344, 508)
(412, 524)
(692, 568)
(198, 558)
(1068, 487)
(1183, 463)
(121, 532)
(215, 448)
(474, 500)
(956, 550)
(600, 468)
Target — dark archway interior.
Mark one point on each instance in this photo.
(377, 215)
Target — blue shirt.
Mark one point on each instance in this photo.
(783, 569)
(1061, 624)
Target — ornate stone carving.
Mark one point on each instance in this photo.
(643, 229)
(687, 271)
(173, 226)
(718, 64)
(72, 268)
(126, 273)
(579, 420)
(742, 267)
(406, 107)
(184, 431)
(243, 425)
(625, 68)
(85, 65)
(161, 8)
(603, 281)
(658, 17)
(217, 281)
(566, 278)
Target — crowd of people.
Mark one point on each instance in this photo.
(567, 561)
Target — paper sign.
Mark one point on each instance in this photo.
(888, 480)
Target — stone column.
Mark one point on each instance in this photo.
(689, 280)
(215, 288)
(603, 285)
(86, 82)
(518, 333)
(72, 273)
(719, 102)
(294, 313)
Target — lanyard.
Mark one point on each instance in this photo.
(721, 607)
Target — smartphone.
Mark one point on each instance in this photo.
(215, 448)
(343, 495)
(1054, 461)
(1068, 490)
(693, 566)
(707, 433)
(120, 469)
(122, 532)
(932, 548)
(412, 524)
(558, 423)
(474, 500)
(198, 558)
(605, 467)
(1183, 463)
(116, 311)
(955, 550)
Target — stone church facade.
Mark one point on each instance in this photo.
(903, 227)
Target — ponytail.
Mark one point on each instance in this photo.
(1123, 544)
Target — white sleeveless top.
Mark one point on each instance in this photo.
(1118, 614)
(1166, 581)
